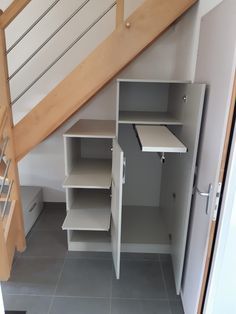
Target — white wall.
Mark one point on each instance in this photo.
(170, 57)
(188, 29)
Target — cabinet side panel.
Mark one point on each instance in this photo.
(178, 170)
(116, 204)
(72, 153)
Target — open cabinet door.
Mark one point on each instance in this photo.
(216, 66)
(186, 102)
(116, 204)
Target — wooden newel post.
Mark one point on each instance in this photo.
(119, 12)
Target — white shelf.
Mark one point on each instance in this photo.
(159, 139)
(93, 129)
(91, 174)
(147, 117)
(131, 80)
(90, 210)
(88, 219)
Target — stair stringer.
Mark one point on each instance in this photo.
(147, 23)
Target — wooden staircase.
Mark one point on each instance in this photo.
(128, 40)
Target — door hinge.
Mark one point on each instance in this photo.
(216, 207)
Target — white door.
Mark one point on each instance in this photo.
(116, 204)
(216, 67)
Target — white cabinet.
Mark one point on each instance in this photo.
(120, 194)
(32, 203)
(93, 166)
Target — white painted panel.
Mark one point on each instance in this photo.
(116, 204)
(216, 67)
(178, 170)
(159, 139)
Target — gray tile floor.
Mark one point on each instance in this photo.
(47, 279)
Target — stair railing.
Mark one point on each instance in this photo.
(11, 218)
(119, 19)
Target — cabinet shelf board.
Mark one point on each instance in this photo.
(131, 80)
(90, 210)
(93, 129)
(93, 219)
(147, 117)
(159, 139)
(91, 174)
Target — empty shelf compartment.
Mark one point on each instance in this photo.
(90, 173)
(159, 139)
(90, 210)
(147, 117)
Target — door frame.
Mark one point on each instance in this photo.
(1, 301)
(214, 223)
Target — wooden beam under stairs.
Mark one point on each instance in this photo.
(147, 23)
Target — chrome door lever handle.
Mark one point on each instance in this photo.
(202, 193)
(206, 194)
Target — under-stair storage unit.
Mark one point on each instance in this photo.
(158, 130)
(93, 218)
(150, 172)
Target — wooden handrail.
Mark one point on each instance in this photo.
(12, 11)
(119, 12)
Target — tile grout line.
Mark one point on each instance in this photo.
(165, 285)
(86, 297)
(56, 286)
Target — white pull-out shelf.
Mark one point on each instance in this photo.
(91, 210)
(146, 117)
(91, 174)
(159, 139)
